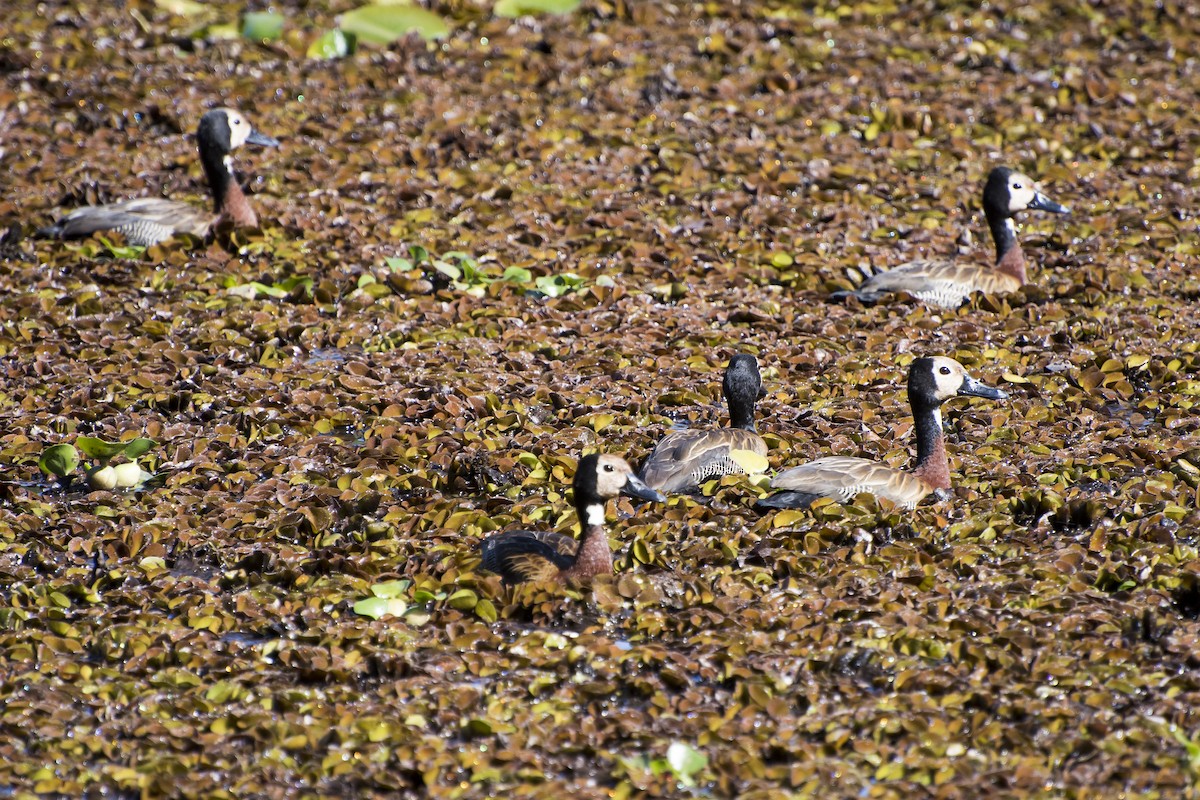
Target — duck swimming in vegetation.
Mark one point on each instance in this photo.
(149, 220)
(685, 459)
(949, 283)
(545, 556)
(931, 382)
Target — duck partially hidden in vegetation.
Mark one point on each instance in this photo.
(685, 459)
(931, 382)
(149, 220)
(545, 556)
(950, 283)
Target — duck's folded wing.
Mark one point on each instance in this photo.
(685, 459)
(842, 477)
(170, 214)
(528, 555)
(944, 283)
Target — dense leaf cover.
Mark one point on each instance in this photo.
(485, 254)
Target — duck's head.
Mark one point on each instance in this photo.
(223, 130)
(601, 477)
(742, 379)
(1008, 192)
(933, 380)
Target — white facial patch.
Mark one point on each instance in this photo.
(1021, 191)
(238, 131)
(949, 382)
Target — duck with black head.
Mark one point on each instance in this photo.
(149, 220)
(518, 556)
(931, 382)
(950, 283)
(685, 459)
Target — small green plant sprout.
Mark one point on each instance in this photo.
(61, 460)
(454, 268)
(468, 274)
(295, 287)
(682, 761)
(394, 599)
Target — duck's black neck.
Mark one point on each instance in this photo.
(741, 414)
(1004, 233)
(220, 177)
(932, 465)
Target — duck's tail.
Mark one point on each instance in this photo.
(858, 275)
(786, 499)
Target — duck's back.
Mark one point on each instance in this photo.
(685, 459)
(528, 555)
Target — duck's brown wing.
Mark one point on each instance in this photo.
(842, 477)
(942, 283)
(528, 555)
(685, 459)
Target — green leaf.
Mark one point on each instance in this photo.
(262, 26)
(519, 8)
(60, 460)
(180, 8)
(398, 264)
(391, 589)
(449, 270)
(485, 610)
(99, 449)
(269, 291)
(517, 275)
(121, 251)
(377, 607)
(217, 32)
(291, 282)
(557, 285)
(333, 44)
(463, 600)
(138, 447)
(384, 24)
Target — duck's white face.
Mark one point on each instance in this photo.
(1022, 191)
(948, 377)
(612, 473)
(239, 129)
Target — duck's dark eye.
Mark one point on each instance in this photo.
(945, 370)
(608, 467)
(1016, 185)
